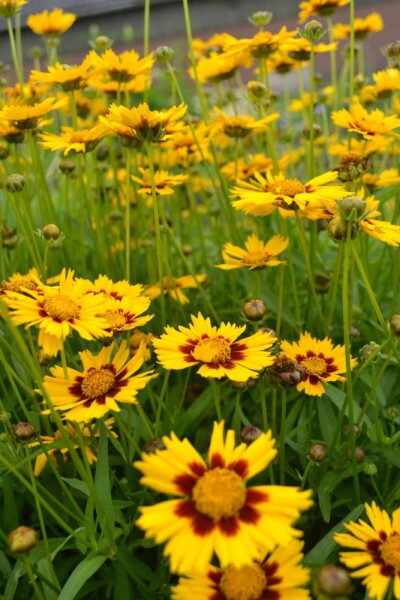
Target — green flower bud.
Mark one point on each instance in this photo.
(312, 31)
(306, 131)
(316, 453)
(101, 43)
(393, 50)
(164, 54)
(15, 183)
(255, 310)
(22, 540)
(250, 434)
(333, 582)
(370, 468)
(394, 325)
(24, 432)
(51, 232)
(352, 208)
(261, 18)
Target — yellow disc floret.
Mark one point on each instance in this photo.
(61, 307)
(244, 583)
(390, 551)
(97, 382)
(219, 494)
(213, 350)
(314, 365)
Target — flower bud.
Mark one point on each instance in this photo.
(316, 453)
(257, 90)
(102, 152)
(312, 30)
(152, 445)
(393, 50)
(4, 151)
(306, 131)
(394, 325)
(22, 540)
(261, 18)
(23, 432)
(322, 284)
(250, 434)
(4, 416)
(163, 54)
(187, 249)
(51, 232)
(352, 208)
(393, 412)
(241, 386)
(368, 350)
(36, 52)
(115, 215)
(356, 429)
(338, 227)
(255, 310)
(286, 371)
(66, 166)
(332, 581)
(15, 183)
(370, 468)
(102, 43)
(128, 32)
(359, 454)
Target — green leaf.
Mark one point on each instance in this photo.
(102, 477)
(193, 414)
(77, 484)
(84, 571)
(321, 551)
(326, 487)
(327, 420)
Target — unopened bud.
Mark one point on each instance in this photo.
(393, 50)
(36, 52)
(368, 350)
(187, 249)
(261, 18)
(257, 90)
(102, 152)
(102, 43)
(359, 454)
(394, 325)
(66, 166)
(22, 540)
(316, 452)
(24, 431)
(128, 32)
(370, 468)
(250, 434)
(116, 215)
(163, 54)
(152, 445)
(312, 30)
(317, 129)
(255, 310)
(322, 283)
(352, 208)
(356, 429)
(286, 371)
(15, 183)
(393, 412)
(333, 581)
(51, 232)
(338, 228)
(4, 150)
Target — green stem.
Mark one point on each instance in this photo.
(14, 53)
(352, 51)
(282, 440)
(217, 399)
(32, 579)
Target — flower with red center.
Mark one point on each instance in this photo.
(239, 126)
(173, 287)
(260, 196)
(321, 360)
(215, 349)
(216, 511)
(164, 182)
(256, 255)
(321, 8)
(375, 551)
(120, 67)
(104, 382)
(278, 577)
(369, 125)
(363, 27)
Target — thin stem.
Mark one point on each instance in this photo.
(282, 439)
(14, 53)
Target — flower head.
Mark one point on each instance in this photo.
(66, 77)
(375, 554)
(105, 381)
(239, 126)
(29, 116)
(120, 67)
(368, 125)
(362, 27)
(216, 350)
(322, 8)
(256, 255)
(321, 360)
(216, 511)
(173, 287)
(51, 23)
(71, 140)
(164, 182)
(9, 8)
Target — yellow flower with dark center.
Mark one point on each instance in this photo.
(9, 8)
(66, 77)
(383, 179)
(256, 254)
(216, 43)
(71, 140)
(322, 8)
(260, 196)
(120, 67)
(244, 168)
(184, 149)
(217, 350)
(58, 311)
(239, 126)
(375, 551)
(216, 510)
(123, 315)
(301, 49)
(145, 124)
(279, 576)
(20, 283)
(110, 87)
(262, 45)
(51, 23)
(387, 82)
(164, 182)
(105, 381)
(29, 116)
(173, 287)
(368, 125)
(321, 360)
(217, 67)
(362, 27)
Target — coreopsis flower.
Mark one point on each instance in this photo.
(123, 315)
(385, 178)
(375, 551)
(146, 124)
(217, 67)
(29, 116)
(256, 254)
(239, 126)
(9, 8)
(262, 45)
(321, 8)
(71, 140)
(216, 511)
(387, 82)
(164, 182)
(120, 67)
(363, 27)
(216, 43)
(368, 125)
(173, 287)
(301, 49)
(244, 168)
(321, 360)
(280, 576)
(20, 283)
(217, 350)
(51, 23)
(261, 195)
(66, 77)
(58, 311)
(186, 147)
(139, 84)
(107, 380)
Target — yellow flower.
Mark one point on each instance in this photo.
(301, 49)
(385, 178)
(375, 551)
(28, 117)
(217, 67)
(262, 45)
(322, 8)
(257, 255)
(216, 350)
(362, 27)
(164, 182)
(9, 8)
(173, 287)
(261, 195)
(20, 283)
(104, 382)
(368, 125)
(184, 149)
(239, 126)
(215, 511)
(216, 43)
(321, 360)
(120, 67)
(279, 576)
(135, 86)
(71, 140)
(386, 82)
(53, 23)
(66, 77)
(244, 168)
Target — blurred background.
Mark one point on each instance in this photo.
(122, 21)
